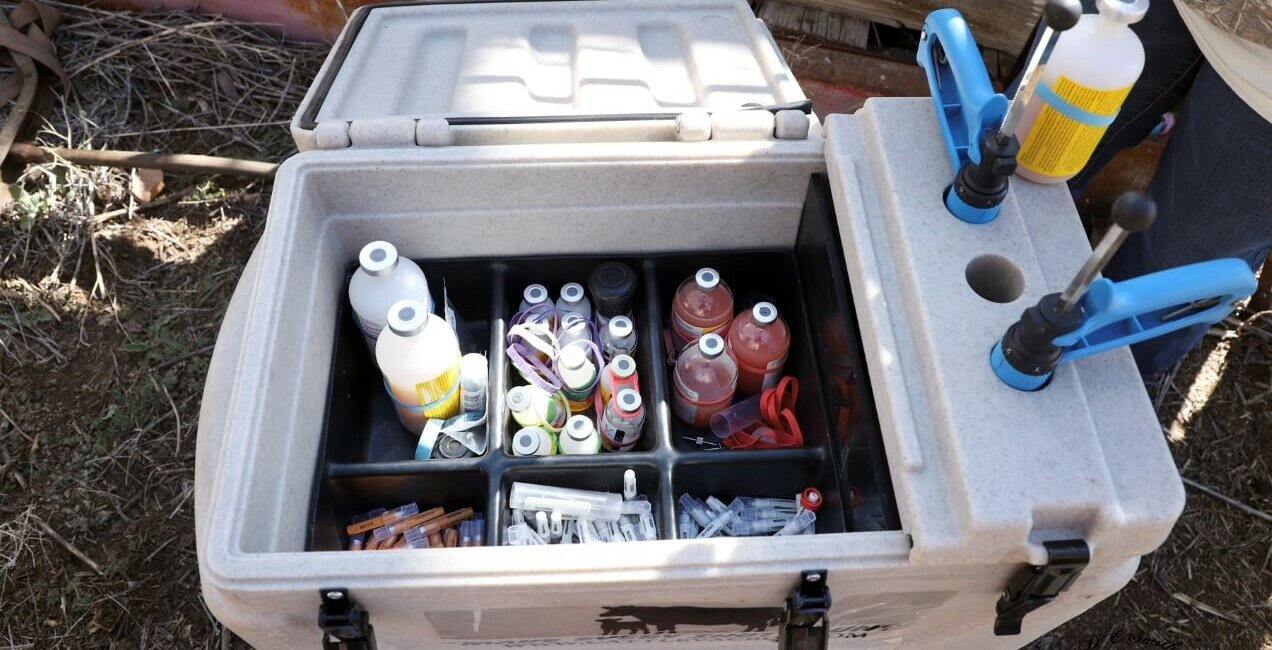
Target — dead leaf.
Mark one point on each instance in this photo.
(146, 184)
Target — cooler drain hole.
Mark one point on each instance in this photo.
(995, 278)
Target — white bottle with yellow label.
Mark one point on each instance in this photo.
(419, 356)
(1080, 92)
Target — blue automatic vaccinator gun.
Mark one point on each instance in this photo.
(978, 124)
(1093, 315)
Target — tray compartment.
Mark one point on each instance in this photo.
(343, 498)
(603, 477)
(753, 276)
(726, 478)
(552, 272)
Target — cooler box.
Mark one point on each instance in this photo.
(500, 144)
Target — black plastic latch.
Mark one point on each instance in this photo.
(805, 609)
(344, 625)
(1035, 586)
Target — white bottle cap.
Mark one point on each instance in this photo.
(518, 398)
(1123, 11)
(572, 292)
(535, 294)
(579, 427)
(628, 400)
(620, 327)
(573, 357)
(711, 345)
(707, 278)
(407, 317)
(624, 366)
(378, 258)
(526, 441)
(764, 313)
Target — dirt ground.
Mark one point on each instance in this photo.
(109, 310)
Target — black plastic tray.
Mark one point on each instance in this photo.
(365, 458)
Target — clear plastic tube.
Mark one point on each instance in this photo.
(601, 506)
(803, 520)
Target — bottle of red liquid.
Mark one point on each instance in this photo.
(705, 380)
(759, 341)
(703, 304)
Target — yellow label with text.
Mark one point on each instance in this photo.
(1058, 145)
(443, 387)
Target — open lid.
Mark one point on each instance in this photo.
(522, 72)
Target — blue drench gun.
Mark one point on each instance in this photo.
(1093, 315)
(978, 124)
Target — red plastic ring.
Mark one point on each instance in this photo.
(811, 499)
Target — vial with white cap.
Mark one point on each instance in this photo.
(703, 304)
(419, 356)
(704, 381)
(619, 374)
(578, 373)
(579, 437)
(759, 342)
(1082, 87)
(532, 441)
(623, 420)
(572, 299)
(535, 294)
(383, 278)
(618, 337)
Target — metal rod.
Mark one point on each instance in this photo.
(1028, 80)
(1100, 257)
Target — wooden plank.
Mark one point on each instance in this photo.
(1000, 24)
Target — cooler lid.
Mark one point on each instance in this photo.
(517, 72)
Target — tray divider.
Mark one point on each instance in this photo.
(658, 412)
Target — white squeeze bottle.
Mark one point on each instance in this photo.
(382, 279)
(1080, 92)
(419, 356)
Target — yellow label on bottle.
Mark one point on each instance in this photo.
(444, 387)
(1058, 145)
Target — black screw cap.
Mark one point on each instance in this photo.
(1134, 211)
(1062, 14)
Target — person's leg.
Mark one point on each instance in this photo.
(1171, 60)
(1214, 199)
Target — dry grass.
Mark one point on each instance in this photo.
(108, 313)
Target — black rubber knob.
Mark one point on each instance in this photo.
(1062, 14)
(1134, 211)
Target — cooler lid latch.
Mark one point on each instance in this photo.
(345, 625)
(1035, 586)
(806, 608)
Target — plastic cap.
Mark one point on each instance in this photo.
(711, 345)
(1062, 14)
(573, 357)
(707, 279)
(620, 327)
(1123, 11)
(526, 441)
(572, 292)
(535, 294)
(1134, 211)
(624, 366)
(579, 427)
(628, 400)
(378, 257)
(764, 313)
(407, 317)
(613, 286)
(518, 399)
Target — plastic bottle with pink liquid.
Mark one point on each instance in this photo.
(705, 380)
(703, 304)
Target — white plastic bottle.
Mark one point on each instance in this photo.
(533, 295)
(573, 300)
(579, 437)
(419, 356)
(1081, 90)
(618, 337)
(382, 279)
(473, 378)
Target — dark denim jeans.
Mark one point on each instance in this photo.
(1213, 185)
